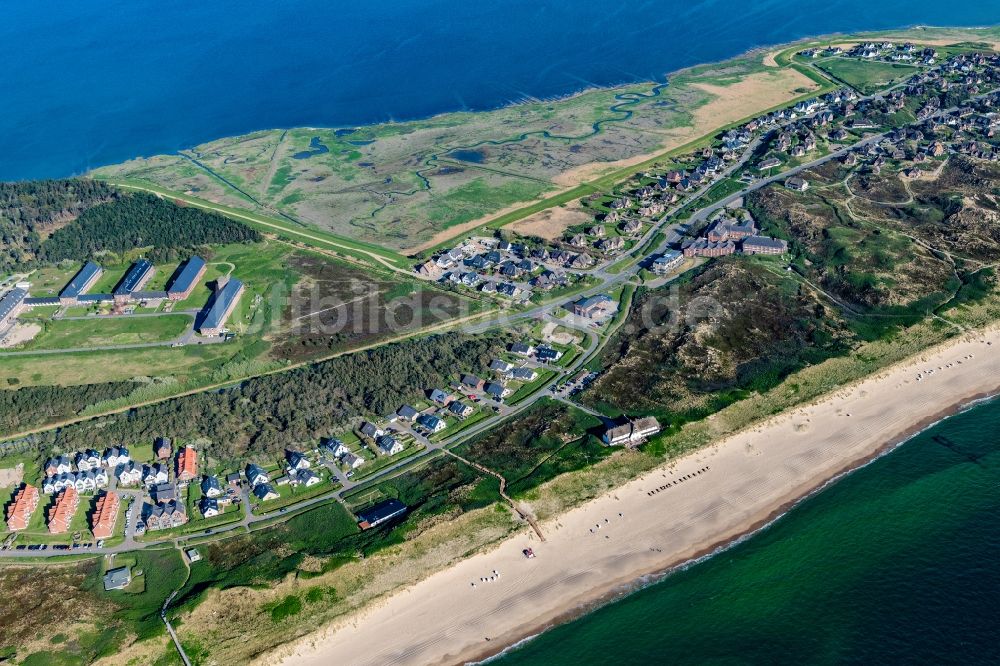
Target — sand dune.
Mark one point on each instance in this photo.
(667, 517)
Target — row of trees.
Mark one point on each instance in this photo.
(38, 405)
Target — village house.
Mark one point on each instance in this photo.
(498, 391)
(154, 474)
(116, 455)
(351, 460)
(579, 240)
(233, 479)
(472, 381)
(62, 511)
(296, 460)
(501, 366)
(370, 430)
(187, 464)
(117, 579)
(406, 413)
(460, 409)
(306, 478)
(522, 349)
(631, 227)
(389, 445)
(265, 492)
(439, 396)
(57, 482)
(796, 183)
(164, 492)
(632, 433)
(58, 465)
(256, 475)
(524, 374)
(22, 505)
(209, 507)
(165, 515)
(613, 244)
(129, 474)
(547, 354)
(88, 460)
(431, 422)
(768, 163)
(210, 487)
(162, 448)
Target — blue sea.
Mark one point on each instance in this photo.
(896, 563)
(87, 83)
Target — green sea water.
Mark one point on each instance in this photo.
(896, 563)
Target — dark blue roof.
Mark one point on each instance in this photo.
(75, 286)
(215, 311)
(186, 275)
(42, 300)
(11, 300)
(381, 512)
(136, 274)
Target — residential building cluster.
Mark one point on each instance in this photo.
(727, 235)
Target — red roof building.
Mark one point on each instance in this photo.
(61, 513)
(105, 515)
(20, 509)
(187, 464)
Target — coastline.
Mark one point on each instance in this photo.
(655, 576)
(705, 520)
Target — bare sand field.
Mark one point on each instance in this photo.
(669, 516)
(552, 222)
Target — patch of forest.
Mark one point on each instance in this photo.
(265, 414)
(51, 220)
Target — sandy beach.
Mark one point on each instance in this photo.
(671, 515)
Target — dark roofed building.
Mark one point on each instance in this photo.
(186, 278)
(380, 513)
(136, 277)
(11, 305)
(764, 245)
(81, 282)
(220, 306)
(117, 579)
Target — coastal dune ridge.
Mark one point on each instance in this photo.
(670, 518)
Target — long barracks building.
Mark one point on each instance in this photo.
(220, 306)
(81, 282)
(135, 279)
(186, 278)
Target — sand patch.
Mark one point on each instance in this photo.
(11, 476)
(552, 222)
(21, 333)
(769, 60)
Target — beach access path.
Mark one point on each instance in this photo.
(669, 516)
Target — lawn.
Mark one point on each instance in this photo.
(101, 332)
(866, 77)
